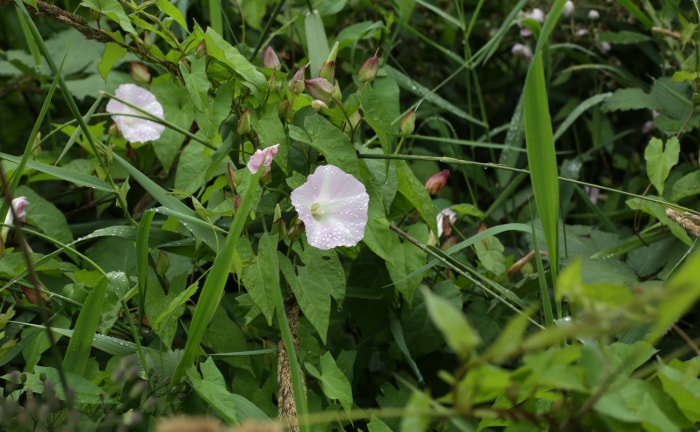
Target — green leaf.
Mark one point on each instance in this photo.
(211, 387)
(414, 191)
(84, 391)
(334, 383)
(624, 37)
(113, 10)
(316, 41)
(221, 50)
(660, 159)
(189, 173)
(312, 292)
(173, 12)
(490, 254)
(49, 219)
(117, 289)
(686, 186)
(376, 425)
(629, 99)
(261, 276)
(679, 380)
(458, 334)
(335, 146)
(377, 116)
(112, 54)
(417, 417)
(408, 258)
(78, 351)
(659, 212)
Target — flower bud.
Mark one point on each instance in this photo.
(320, 88)
(333, 54)
(244, 123)
(407, 124)
(296, 84)
(284, 109)
(201, 50)
(140, 73)
(233, 179)
(318, 104)
(437, 182)
(270, 59)
(368, 70)
(327, 71)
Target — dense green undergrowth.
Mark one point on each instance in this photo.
(393, 215)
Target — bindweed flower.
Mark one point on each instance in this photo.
(136, 129)
(445, 219)
(522, 51)
(333, 206)
(437, 182)
(369, 69)
(270, 59)
(262, 158)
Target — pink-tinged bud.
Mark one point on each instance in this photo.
(270, 59)
(327, 71)
(320, 88)
(233, 179)
(236, 203)
(437, 182)
(333, 54)
(262, 158)
(19, 206)
(318, 104)
(407, 124)
(284, 109)
(140, 73)
(244, 123)
(296, 84)
(368, 70)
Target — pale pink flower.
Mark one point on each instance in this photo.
(522, 51)
(333, 206)
(136, 129)
(445, 219)
(262, 158)
(593, 14)
(536, 14)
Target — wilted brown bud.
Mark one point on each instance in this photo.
(140, 73)
(368, 70)
(270, 59)
(407, 124)
(437, 182)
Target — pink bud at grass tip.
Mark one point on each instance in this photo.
(437, 182)
(262, 158)
(140, 73)
(133, 126)
(320, 88)
(369, 69)
(445, 219)
(296, 84)
(333, 206)
(270, 59)
(408, 123)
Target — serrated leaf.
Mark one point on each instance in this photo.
(261, 276)
(629, 99)
(660, 159)
(113, 10)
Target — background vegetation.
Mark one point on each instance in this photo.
(555, 291)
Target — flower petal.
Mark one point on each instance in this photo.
(135, 129)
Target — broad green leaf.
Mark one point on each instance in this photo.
(173, 12)
(408, 258)
(312, 291)
(686, 186)
(660, 159)
(481, 384)
(682, 385)
(334, 383)
(453, 325)
(378, 236)
(113, 10)
(84, 391)
(178, 110)
(261, 276)
(221, 50)
(193, 163)
(417, 417)
(333, 145)
(117, 289)
(376, 425)
(557, 367)
(112, 54)
(378, 117)
(316, 41)
(628, 99)
(49, 219)
(211, 387)
(195, 77)
(490, 253)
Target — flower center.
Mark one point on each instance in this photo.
(317, 212)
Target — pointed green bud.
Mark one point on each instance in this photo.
(244, 123)
(407, 124)
(320, 88)
(327, 71)
(296, 84)
(333, 54)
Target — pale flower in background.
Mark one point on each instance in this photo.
(522, 51)
(333, 206)
(536, 14)
(136, 129)
(568, 8)
(593, 14)
(262, 158)
(445, 219)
